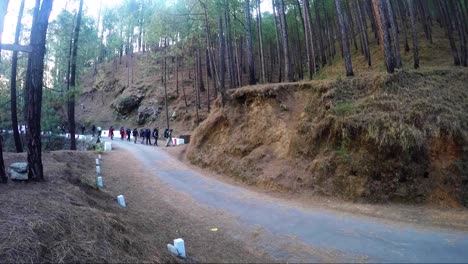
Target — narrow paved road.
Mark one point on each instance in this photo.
(326, 235)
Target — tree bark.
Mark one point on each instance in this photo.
(344, 38)
(248, 30)
(351, 24)
(165, 82)
(381, 19)
(456, 10)
(414, 34)
(34, 84)
(71, 95)
(14, 68)
(229, 48)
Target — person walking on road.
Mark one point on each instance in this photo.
(155, 136)
(142, 135)
(82, 129)
(169, 138)
(111, 132)
(129, 133)
(135, 135)
(122, 133)
(148, 136)
(93, 130)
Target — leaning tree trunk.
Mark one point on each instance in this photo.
(34, 85)
(248, 30)
(71, 95)
(344, 38)
(14, 68)
(414, 34)
(3, 177)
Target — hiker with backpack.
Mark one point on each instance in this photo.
(148, 136)
(142, 135)
(129, 134)
(155, 136)
(135, 135)
(122, 133)
(169, 138)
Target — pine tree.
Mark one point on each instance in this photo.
(344, 39)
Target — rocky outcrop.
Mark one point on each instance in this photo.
(19, 171)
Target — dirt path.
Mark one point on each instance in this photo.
(256, 227)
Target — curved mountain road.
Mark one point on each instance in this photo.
(297, 234)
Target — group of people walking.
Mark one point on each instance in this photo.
(144, 134)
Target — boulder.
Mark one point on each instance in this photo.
(147, 113)
(20, 167)
(19, 171)
(126, 105)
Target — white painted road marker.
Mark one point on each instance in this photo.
(121, 200)
(99, 182)
(97, 161)
(98, 169)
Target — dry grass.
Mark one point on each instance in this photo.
(65, 219)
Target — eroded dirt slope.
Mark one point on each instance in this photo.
(378, 137)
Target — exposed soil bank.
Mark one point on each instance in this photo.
(377, 138)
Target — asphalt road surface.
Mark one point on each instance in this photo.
(297, 234)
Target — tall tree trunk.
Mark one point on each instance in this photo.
(3, 176)
(310, 49)
(14, 68)
(34, 83)
(344, 38)
(364, 36)
(456, 10)
(381, 19)
(400, 6)
(414, 33)
(278, 43)
(298, 51)
(229, 49)
(351, 23)
(396, 40)
(165, 82)
(248, 31)
(320, 34)
(260, 40)
(448, 23)
(222, 61)
(285, 41)
(239, 71)
(71, 95)
(426, 17)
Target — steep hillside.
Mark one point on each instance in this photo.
(376, 137)
(133, 96)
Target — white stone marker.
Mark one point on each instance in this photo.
(108, 146)
(121, 200)
(180, 246)
(97, 161)
(98, 169)
(99, 182)
(99, 156)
